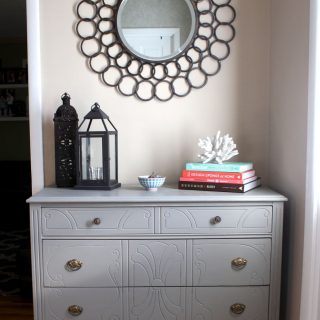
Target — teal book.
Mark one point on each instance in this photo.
(223, 167)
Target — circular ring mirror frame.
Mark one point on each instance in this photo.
(203, 56)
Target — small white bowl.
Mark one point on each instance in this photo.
(151, 184)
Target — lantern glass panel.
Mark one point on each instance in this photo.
(91, 158)
(112, 152)
(96, 126)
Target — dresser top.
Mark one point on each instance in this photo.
(136, 194)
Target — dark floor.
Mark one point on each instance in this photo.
(15, 253)
(16, 308)
(15, 265)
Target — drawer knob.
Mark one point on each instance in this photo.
(239, 263)
(216, 220)
(96, 221)
(74, 265)
(75, 310)
(238, 308)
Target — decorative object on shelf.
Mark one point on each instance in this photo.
(13, 76)
(7, 101)
(218, 149)
(10, 106)
(3, 104)
(152, 182)
(65, 131)
(172, 61)
(223, 177)
(97, 152)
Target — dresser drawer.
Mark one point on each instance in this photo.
(178, 303)
(216, 220)
(231, 262)
(81, 263)
(97, 221)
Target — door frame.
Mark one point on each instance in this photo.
(310, 292)
(35, 94)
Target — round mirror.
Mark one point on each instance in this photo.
(156, 30)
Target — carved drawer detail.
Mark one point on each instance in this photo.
(231, 262)
(97, 221)
(98, 263)
(95, 303)
(157, 263)
(216, 220)
(160, 303)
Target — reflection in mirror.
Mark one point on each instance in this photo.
(156, 30)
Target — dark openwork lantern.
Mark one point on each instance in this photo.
(97, 152)
(65, 132)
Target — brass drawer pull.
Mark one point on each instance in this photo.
(216, 220)
(239, 263)
(74, 265)
(238, 308)
(75, 310)
(96, 221)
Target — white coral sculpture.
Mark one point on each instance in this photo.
(218, 149)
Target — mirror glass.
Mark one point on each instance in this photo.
(156, 30)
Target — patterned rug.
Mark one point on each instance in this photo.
(15, 270)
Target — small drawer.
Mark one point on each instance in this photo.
(81, 263)
(231, 262)
(97, 221)
(216, 220)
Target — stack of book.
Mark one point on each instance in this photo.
(226, 177)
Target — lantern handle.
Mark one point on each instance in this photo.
(65, 95)
(95, 105)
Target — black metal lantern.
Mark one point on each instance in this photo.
(65, 131)
(97, 152)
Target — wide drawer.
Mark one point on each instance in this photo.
(97, 221)
(178, 303)
(231, 262)
(80, 263)
(216, 220)
(156, 263)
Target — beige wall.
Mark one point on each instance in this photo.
(157, 136)
(288, 131)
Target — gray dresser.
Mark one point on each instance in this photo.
(130, 254)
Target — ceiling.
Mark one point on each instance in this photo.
(13, 19)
